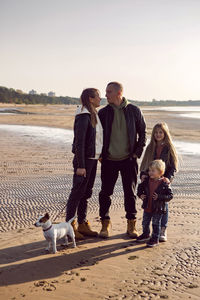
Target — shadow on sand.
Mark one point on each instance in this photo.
(54, 265)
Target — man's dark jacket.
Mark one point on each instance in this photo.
(164, 192)
(136, 128)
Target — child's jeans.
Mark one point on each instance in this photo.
(164, 219)
(156, 224)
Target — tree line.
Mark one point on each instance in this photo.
(12, 96)
(9, 95)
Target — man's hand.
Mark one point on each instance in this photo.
(155, 196)
(143, 197)
(81, 172)
(135, 156)
(143, 177)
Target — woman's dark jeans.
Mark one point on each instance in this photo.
(81, 191)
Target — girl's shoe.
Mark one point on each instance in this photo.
(163, 234)
(152, 243)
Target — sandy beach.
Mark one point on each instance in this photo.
(36, 177)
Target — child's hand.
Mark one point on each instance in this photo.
(143, 177)
(165, 179)
(155, 196)
(142, 197)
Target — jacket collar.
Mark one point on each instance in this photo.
(81, 110)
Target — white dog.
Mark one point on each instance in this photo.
(53, 232)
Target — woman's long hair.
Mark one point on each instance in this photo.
(85, 101)
(151, 148)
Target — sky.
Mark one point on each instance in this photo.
(151, 46)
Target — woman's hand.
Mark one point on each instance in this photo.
(143, 177)
(81, 172)
(165, 179)
(143, 197)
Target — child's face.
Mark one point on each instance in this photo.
(159, 135)
(154, 173)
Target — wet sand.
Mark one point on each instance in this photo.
(36, 177)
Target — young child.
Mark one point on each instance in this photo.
(161, 147)
(154, 192)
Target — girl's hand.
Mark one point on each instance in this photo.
(143, 177)
(165, 179)
(155, 196)
(142, 197)
(81, 172)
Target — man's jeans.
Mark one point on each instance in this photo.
(128, 169)
(81, 191)
(156, 224)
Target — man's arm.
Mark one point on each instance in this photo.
(141, 131)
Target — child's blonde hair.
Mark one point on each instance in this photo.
(159, 164)
(150, 150)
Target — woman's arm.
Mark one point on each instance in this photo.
(80, 132)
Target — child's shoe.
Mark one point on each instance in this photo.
(163, 234)
(152, 243)
(142, 238)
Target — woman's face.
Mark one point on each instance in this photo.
(159, 135)
(96, 100)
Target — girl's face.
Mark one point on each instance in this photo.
(96, 100)
(159, 135)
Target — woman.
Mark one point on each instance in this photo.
(87, 146)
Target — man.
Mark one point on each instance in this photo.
(124, 138)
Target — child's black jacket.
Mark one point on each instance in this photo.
(164, 192)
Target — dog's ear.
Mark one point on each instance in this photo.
(47, 216)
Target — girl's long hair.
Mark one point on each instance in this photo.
(151, 148)
(85, 101)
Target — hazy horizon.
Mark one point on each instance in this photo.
(151, 47)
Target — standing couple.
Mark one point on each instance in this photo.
(117, 136)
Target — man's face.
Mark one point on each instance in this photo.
(112, 94)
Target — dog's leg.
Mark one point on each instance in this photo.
(54, 245)
(48, 246)
(72, 235)
(66, 241)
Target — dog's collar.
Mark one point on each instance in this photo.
(47, 228)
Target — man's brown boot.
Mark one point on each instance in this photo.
(84, 229)
(104, 233)
(131, 229)
(78, 235)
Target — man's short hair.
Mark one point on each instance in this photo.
(118, 86)
(159, 164)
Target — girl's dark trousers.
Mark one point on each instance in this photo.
(81, 191)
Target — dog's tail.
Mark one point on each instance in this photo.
(72, 219)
